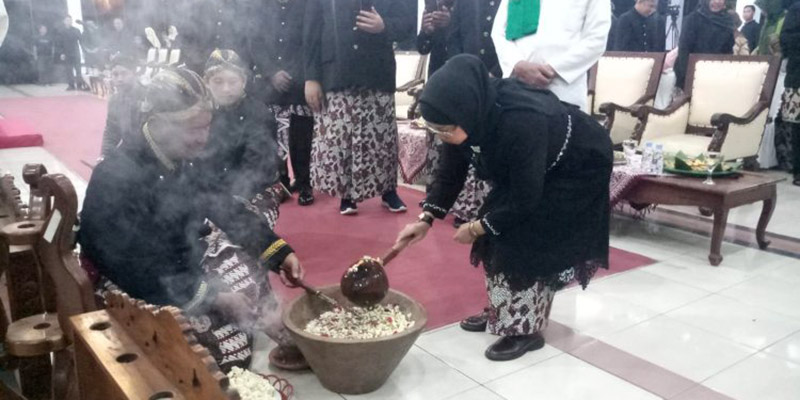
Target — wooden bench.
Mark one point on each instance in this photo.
(726, 194)
(132, 350)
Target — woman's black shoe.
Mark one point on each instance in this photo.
(476, 323)
(306, 197)
(512, 347)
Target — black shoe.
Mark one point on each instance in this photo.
(457, 222)
(796, 181)
(422, 203)
(306, 197)
(70, 88)
(348, 207)
(512, 347)
(392, 201)
(476, 323)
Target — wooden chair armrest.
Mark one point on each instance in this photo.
(721, 120)
(409, 85)
(610, 108)
(642, 110)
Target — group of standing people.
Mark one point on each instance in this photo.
(68, 48)
(217, 135)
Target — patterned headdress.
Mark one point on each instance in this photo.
(175, 94)
(225, 59)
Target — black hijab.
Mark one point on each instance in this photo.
(721, 18)
(462, 93)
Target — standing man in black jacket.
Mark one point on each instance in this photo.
(638, 29)
(432, 38)
(751, 29)
(471, 33)
(69, 53)
(278, 56)
(350, 84)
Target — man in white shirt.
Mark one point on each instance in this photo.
(570, 38)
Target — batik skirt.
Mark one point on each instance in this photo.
(354, 153)
(525, 312)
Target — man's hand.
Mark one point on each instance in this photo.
(370, 21)
(427, 23)
(537, 75)
(315, 97)
(291, 270)
(281, 81)
(441, 18)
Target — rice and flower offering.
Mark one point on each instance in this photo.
(361, 322)
(252, 386)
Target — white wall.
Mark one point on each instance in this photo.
(74, 10)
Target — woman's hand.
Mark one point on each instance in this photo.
(370, 21)
(469, 232)
(237, 305)
(291, 270)
(315, 97)
(412, 233)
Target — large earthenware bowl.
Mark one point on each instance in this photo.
(352, 366)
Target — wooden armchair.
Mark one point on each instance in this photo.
(619, 81)
(412, 68)
(724, 107)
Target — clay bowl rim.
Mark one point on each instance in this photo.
(419, 324)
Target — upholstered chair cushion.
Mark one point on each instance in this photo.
(725, 87)
(691, 145)
(621, 80)
(660, 126)
(744, 140)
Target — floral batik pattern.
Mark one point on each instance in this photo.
(516, 313)
(283, 115)
(354, 154)
(790, 106)
(472, 196)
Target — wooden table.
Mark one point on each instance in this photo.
(728, 193)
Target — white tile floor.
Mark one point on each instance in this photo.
(734, 329)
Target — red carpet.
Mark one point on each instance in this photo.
(436, 271)
(72, 126)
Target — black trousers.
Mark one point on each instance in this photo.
(74, 75)
(301, 133)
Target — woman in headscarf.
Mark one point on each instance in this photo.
(241, 158)
(545, 222)
(708, 30)
(150, 227)
(790, 110)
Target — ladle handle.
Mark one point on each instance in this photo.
(315, 292)
(394, 251)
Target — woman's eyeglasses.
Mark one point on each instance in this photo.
(437, 131)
